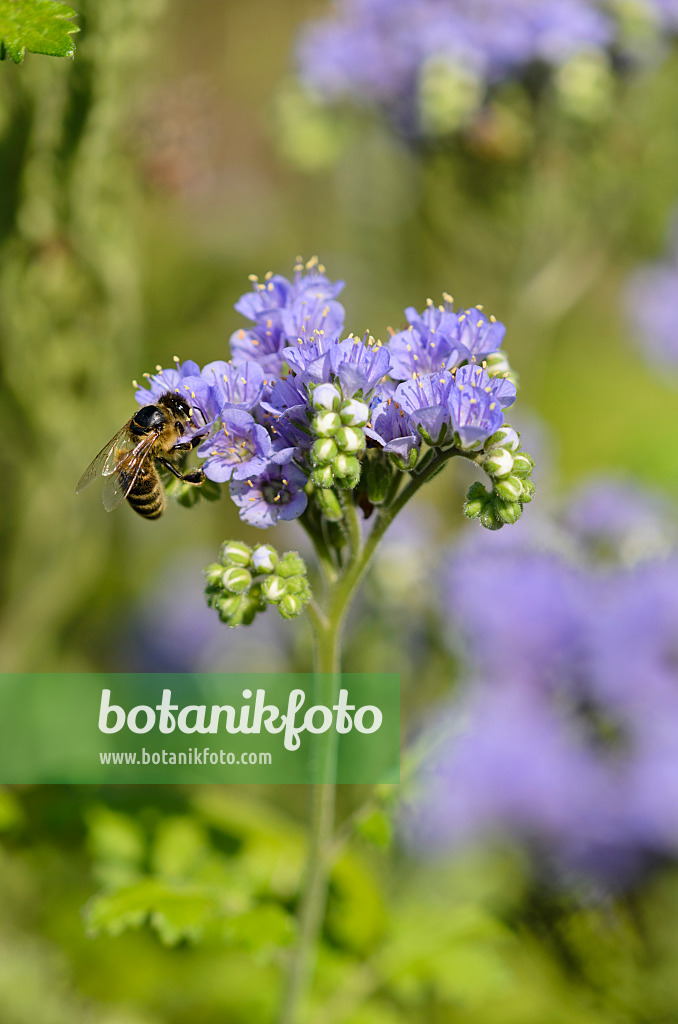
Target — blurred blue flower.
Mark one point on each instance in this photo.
(379, 53)
(652, 303)
(567, 732)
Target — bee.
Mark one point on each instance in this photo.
(128, 460)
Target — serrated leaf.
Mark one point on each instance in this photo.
(176, 912)
(39, 26)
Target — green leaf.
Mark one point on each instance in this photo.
(376, 827)
(176, 912)
(40, 26)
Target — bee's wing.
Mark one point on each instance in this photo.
(122, 468)
(100, 462)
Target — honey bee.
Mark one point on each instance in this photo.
(128, 460)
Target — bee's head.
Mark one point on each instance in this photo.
(175, 405)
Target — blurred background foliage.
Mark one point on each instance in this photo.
(140, 185)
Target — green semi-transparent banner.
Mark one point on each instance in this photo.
(157, 728)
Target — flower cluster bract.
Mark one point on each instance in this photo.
(299, 409)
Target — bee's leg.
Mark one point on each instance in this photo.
(187, 446)
(196, 476)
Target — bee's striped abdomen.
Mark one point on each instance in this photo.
(147, 497)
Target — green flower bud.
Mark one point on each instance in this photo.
(323, 476)
(377, 476)
(523, 464)
(236, 579)
(265, 558)
(228, 607)
(291, 564)
(273, 589)
(329, 503)
(234, 552)
(324, 450)
(507, 511)
(347, 471)
(327, 397)
(510, 488)
(505, 437)
(527, 493)
(213, 573)
(350, 439)
(299, 586)
(477, 498)
(497, 363)
(247, 612)
(354, 413)
(489, 519)
(498, 463)
(291, 606)
(326, 424)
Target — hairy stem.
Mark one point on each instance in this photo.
(328, 627)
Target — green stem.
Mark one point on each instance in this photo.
(328, 628)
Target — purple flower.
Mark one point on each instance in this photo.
(309, 360)
(277, 494)
(425, 400)
(498, 388)
(474, 408)
(240, 450)
(390, 427)
(286, 312)
(508, 762)
(163, 381)
(536, 625)
(275, 293)
(430, 343)
(359, 365)
(378, 52)
(652, 304)
(263, 344)
(479, 334)
(612, 518)
(310, 316)
(239, 387)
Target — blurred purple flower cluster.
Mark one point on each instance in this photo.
(567, 734)
(392, 53)
(652, 303)
(298, 400)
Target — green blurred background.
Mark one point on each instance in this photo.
(140, 185)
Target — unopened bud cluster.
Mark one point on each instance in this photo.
(337, 426)
(509, 469)
(245, 580)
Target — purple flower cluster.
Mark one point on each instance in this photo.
(293, 380)
(652, 304)
(379, 50)
(568, 734)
